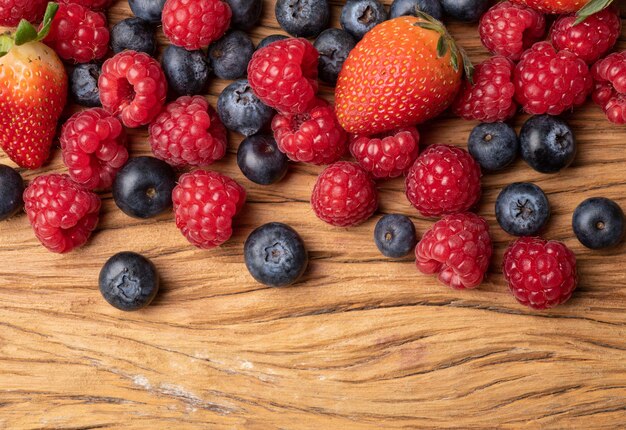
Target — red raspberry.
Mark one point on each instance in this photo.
(508, 29)
(90, 4)
(458, 248)
(13, 11)
(541, 274)
(94, 148)
(188, 132)
(205, 204)
(312, 137)
(344, 195)
(133, 86)
(610, 86)
(62, 213)
(551, 82)
(589, 40)
(490, 98)
(444, 180)
(195, 24)
(387, 155)
(78, 34)
(283, 75)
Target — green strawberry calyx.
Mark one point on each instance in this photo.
(446, 43)
(594, 6)
(26, 32)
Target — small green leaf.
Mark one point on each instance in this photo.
(468, 66)
(442, 47)
(25, 33)
(594, 6)
(454, 60)
(51, 11)
(429, 26)
(6, 43)
(423, 15)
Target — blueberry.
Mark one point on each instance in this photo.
(246, 13)
(11, 190)
(394, 235)
(522, 209)
(494, 146)
(187, 72)
(270, 39)
(465, 10)
(128, 281)
(275, 255)
(260, 160)
(303, 18)
(410, 7)
(84, 85)
(148, 10)
(241, 111)
(334, 45)
(143, 187)
(230, 55)
(360, 16)
(598, 223)
(134, 34)
(547, 143)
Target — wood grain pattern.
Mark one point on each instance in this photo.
(361, 343)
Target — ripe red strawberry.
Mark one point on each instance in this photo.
(553, 6)
(403, 72)
(12, 11)
(33, 91)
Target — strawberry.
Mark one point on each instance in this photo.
(33, 91)
(584, 8)
(403, 72)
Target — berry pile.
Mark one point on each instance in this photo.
(387, 82)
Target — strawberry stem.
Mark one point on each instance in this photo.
(594, 6)
(26, 32)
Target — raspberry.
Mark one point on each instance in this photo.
(386, 155)
(195, 24)
(589, 40)
(609, 93)
(188, 132)
(541, 274)
(508, 29)
(313, 137)
(94, 148)
(78, 34)
(283, 75)
(458, 248)
(133, 86)
(490, 98)
(344, 195)
(550, 82)
(205, 204)
(444, 180)
(62, 213)
(12, 11)
(90, 4)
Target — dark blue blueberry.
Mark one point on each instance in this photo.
(598, 223)
(260, 160)
(410, 7)
(148, 10)
(494, 146)
(241, 111)
(128, 281)
(465, 10)
(547, 143)
(360, 16)
(275, 255)
(522, 209)
(303, 18)
(11, 191)
(246, 13)
(394, 235)
(271, 39)
(230, 55)
(187, 72)
(334, 45)
(84, 85)
(143, 187)
(134, 34)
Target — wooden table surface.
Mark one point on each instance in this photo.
(361, 343)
